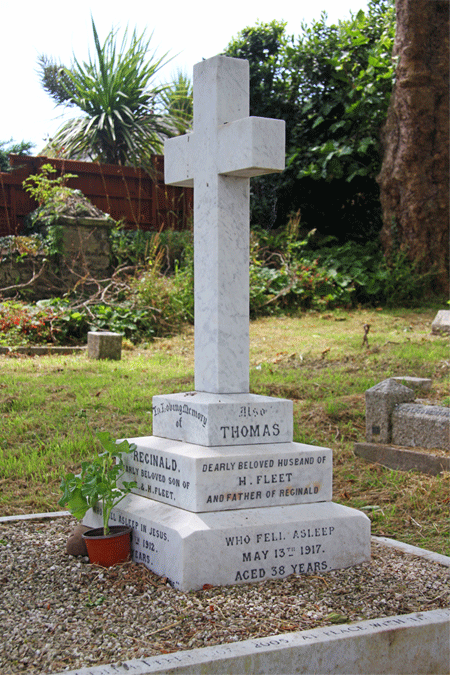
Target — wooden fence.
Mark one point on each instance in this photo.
(127, 194)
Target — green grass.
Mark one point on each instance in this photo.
(317, 360)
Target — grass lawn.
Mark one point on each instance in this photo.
(317, 360)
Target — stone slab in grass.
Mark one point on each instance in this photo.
(403, 459)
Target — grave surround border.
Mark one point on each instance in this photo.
(409, 643)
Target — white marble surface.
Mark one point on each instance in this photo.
(247, 545)
(407, 644)
(222, 419)
(199, 479)
(217, 159)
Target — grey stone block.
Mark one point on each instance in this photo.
(380, 402)
(104, 345)
(423, 426)
(441, 322)
(415, 383)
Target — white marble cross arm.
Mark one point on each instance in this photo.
(251, 147)
(178, 168)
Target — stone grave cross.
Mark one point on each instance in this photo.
(226, 148)
(223, 493)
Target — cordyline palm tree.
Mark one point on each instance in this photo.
(177, 98)
(123, 120)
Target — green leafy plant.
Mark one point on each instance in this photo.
(178, 101)
(98, 481)
(21, 324)
(43, 187)
(331, 85)
(52, 195)
(122, 119)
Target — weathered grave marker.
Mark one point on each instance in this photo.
(224, 495)
(104, 345)
(441, 322)
(393, 417)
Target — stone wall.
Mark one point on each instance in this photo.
(85, 256)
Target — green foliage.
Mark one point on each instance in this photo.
(264, 46)
(11, 148)
(178, 101)
(70, 324)
(136, 247)
(331, 85)
(283, 278)
(21, 324)
(393, 283)
(123, 120)
(55, 80)
(43, 188)
(54, 198)
(170, 298)
(345, 75)
(99, 481)
(57, 321)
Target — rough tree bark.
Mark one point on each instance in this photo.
(414, 178)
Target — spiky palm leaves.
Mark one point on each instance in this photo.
(123, 120)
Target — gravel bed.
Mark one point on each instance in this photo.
(58, 612)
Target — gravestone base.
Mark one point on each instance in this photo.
(248, 545)
(222, 419)
(199, 478)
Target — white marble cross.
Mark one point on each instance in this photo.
(226, 148)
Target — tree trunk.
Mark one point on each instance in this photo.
(414, 178)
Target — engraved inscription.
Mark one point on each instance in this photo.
(250, 411)
(304, 558)
(181, 409)
(250, 431)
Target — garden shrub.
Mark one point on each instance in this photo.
(284, 279)
(392, 283)
(169, 297)
(137, 247)
(21, 324)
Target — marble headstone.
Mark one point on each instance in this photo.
(224, 495)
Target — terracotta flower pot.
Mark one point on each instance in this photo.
(110, 549)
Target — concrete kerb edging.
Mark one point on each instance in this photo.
(405, 644)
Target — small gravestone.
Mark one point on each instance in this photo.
(104, 345)
(380, 402)
(421, 426)
(403, 434)
(441, 323)
(224, 495)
